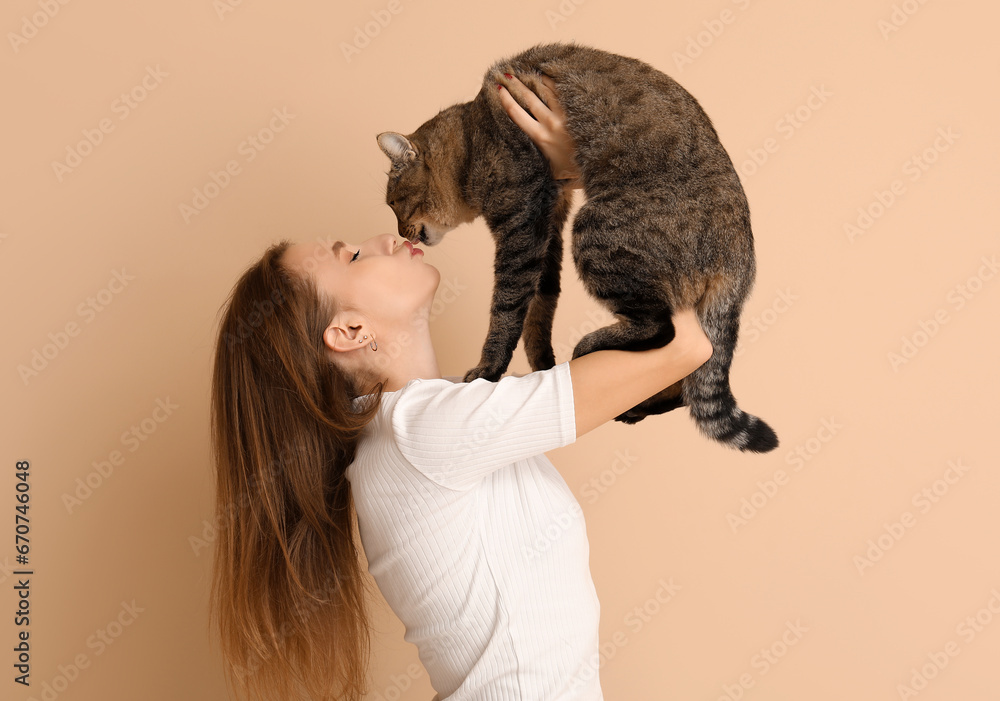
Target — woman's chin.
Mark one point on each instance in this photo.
(437, 279)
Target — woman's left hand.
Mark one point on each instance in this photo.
(545, 124)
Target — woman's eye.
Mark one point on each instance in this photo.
(355, 256)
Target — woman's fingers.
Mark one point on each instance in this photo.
(538, 108)
(520, 117)
(545, 124)
(549, 87)
(526, 96)
(541, 101)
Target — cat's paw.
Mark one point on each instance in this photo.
(593, 341)
(542, 362)
(582, 348)
(484, 371)
(631, 416)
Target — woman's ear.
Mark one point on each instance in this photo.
(346, 333)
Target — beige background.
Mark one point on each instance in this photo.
(815, 360)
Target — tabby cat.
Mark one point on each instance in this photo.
(665, 225)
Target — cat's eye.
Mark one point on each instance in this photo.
(355, 256)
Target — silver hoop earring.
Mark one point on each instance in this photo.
(373, 345)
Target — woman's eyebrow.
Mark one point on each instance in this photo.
(337, 246)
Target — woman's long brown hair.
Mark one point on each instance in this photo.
(289, 590)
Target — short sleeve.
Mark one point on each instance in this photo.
(456, 434)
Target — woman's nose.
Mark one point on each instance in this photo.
(387, 243)
(383, 243)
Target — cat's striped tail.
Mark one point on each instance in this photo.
(711, 403)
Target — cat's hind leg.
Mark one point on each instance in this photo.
(618, 266)
(615, 268)
(626, 334)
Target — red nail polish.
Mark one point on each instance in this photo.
(499, 86)
(508, 75)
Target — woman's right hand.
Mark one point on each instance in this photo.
(545, 124)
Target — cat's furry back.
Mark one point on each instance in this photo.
(665, 225)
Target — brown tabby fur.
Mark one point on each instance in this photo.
(665, 225)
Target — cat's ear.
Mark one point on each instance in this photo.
(397, 147)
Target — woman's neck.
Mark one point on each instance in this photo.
(407, 356)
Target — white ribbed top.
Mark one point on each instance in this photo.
(475, 539)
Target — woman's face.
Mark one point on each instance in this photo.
(384, 278)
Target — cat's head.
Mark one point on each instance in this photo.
(422, 190)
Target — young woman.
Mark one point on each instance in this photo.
(327, 402)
